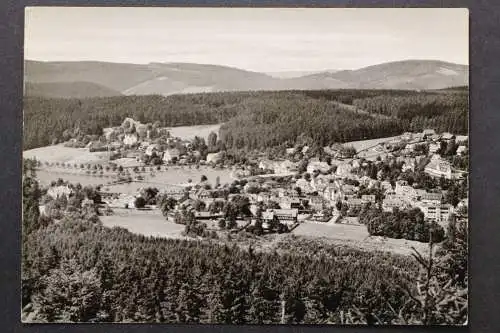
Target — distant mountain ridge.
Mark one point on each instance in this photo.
(49, 78)
(75, 89)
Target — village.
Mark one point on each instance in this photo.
(336, 186)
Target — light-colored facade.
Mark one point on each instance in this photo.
(170, 154)
(461, 150)
(405, 191)
(344, 170)
(368, 198)
(154, 148)
(431, 198)
(130, 139)
(388, 204)
(287, 216)
(437, 213)
(438, 167)
(59, 191)
(317, 166)
(214, 157)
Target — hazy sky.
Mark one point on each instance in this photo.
(267, 40)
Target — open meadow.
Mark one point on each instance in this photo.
(366, 144)
(357, 236)
(144, 222)
(189, 132)
(153, 223)
(158, 179)
(61, 154)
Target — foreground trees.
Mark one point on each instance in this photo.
(85, 272)
(407, 224)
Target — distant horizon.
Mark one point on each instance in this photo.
(298, 70)
(254, 39)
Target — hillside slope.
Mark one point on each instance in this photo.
(180, 78)
(68, 90)
(410, 74)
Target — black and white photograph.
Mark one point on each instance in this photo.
(245, 166)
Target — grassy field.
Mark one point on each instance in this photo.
(152, 223)
(189, 132)
(178, 174)
(364, 144)
(147, 223)
(45, 177)
(61, 154)
(160, 179)
(357, 236)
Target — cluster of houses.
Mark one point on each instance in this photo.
(438, 166)
(319, 196)
(145, 141)
(328, 187)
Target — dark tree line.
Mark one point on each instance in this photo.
(256, 119)
(134, 278)
(270, 123)
(445, 112)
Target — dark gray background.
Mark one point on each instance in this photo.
(484, 166)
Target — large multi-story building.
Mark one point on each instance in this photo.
(287, 216)
(405, 192)
(438, 167)
(388, 204)
(437, 213)
(366, 198)
(431, 198)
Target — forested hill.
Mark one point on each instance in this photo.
(68, 90)
(256, 119)
(178, 78)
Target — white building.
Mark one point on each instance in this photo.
(332, 192)
(431, 198)
(405, 191)
(434, 147)
(438, 167)
(461, 150)
(214, 157)
(447, 136)
(130, 139)
(344, 170)
(287, 216)
(154, 148)
(437, 213)
(461, 138)
(388, 204)
(319, 183)
(170, 155)
(265, 165)
(304, 185)
(317, 166)
(428, 132)
(59, 191)
(368, 198)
